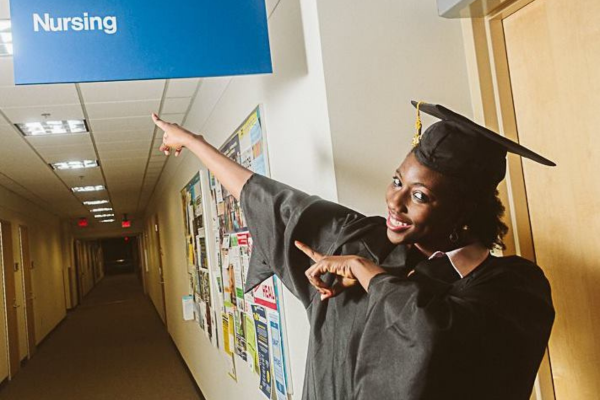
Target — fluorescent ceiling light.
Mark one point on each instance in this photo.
(107, 220)
(104, 215)
(6, 39)
(75, 164)
(53, 127)
(80, 189)
(95, 202)
(95, 210)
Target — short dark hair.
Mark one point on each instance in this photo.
(485, 221)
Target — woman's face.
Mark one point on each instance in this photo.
(422, 207)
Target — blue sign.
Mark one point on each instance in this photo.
(67, 41)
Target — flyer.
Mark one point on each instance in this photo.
(240, 334)
(251, 344)
(262, 345)
(277, 355)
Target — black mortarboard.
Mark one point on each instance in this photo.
(457, 146)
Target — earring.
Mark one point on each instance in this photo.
(454, 236)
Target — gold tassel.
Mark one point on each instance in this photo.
(418, 126)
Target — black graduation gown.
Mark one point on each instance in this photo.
(427, 336)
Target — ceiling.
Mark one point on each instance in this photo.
(121, 137)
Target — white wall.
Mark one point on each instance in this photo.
(378, 55)
(338, 122)
(47, 276)
(299, 141)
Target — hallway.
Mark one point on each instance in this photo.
(114, 346)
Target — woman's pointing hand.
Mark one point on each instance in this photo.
(341, 266)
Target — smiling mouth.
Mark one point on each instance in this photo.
(397, 225)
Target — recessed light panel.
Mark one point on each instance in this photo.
(95, 210)
(53, 127)
(95, 202)
(75, 164)
(107, 220)
(6, 41)
(104, 215)
(81, 189)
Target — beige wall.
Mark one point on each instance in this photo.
(338, 121)
(378, 55)
(47, 276)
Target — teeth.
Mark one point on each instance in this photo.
(397, 223)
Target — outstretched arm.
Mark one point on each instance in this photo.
(231, 175)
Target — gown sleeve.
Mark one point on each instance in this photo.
(277, 215)
(483, 337)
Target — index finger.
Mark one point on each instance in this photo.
(159, 122)
(314, 255)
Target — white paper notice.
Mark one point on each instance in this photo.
(188, 308)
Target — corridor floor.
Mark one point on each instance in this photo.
(112, 347)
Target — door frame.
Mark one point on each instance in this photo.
(161, 269)
(28, 294)
(11, 319)
(492, 99)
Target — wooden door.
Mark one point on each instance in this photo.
(553, 50)
(8, 263)
(27, 266)
(160, 267)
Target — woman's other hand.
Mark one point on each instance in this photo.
(174, 138)
(348, 269)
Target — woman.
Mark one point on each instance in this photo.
(412, 307)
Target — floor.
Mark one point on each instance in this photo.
(114, 346)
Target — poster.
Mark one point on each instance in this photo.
(197, 256)
(277, 355)
(262, 341)
(228, 345)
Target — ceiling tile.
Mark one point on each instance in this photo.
(99, 195)
(122, 109)
(182, 87)
(73, 177)
(122, 152)
(37, 95)
(122, 124)
(67, 153)
(176, 105)
(104, 147)
(154, 168)
(6, 71)
(103, 92)
(158, 158)
(174, 118)
(120, 138)
(34, 114)
(59, 140)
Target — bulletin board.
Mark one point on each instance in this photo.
(247, 328)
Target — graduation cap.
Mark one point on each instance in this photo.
(457, 146)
